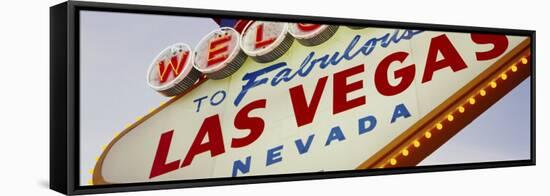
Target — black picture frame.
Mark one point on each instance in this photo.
(64, 97)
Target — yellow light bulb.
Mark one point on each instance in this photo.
(405, 152)
(439, 126)
(493, 84)
(514, 68)
(393, 161)
(450, 117)
(472, 101)
(428, 135)
(416, 143)
(503, 76)
(482, 92)
(524, 60)
(461, 109)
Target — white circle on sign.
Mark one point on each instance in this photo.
(306, 31)
(205, 50)
(270, 30)
(179, 51)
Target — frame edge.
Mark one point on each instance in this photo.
(58, 99)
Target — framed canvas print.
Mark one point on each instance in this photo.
(146, 97)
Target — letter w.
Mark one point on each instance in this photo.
(175, 65)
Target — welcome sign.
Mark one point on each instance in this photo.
(328, 107)
(246, 97)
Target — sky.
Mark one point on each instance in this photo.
(117, 48)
